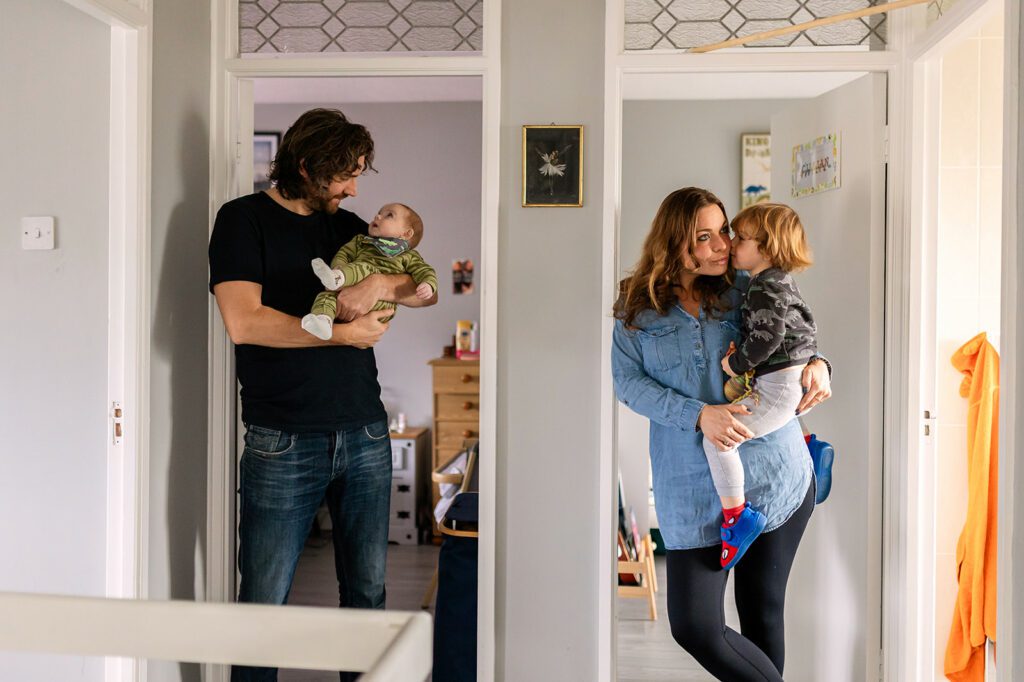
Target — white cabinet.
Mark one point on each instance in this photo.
(410, 480)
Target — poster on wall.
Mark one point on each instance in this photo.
(755, 168)
(462, 276)
(264, 149)
(816, 166)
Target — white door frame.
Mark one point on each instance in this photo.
(896, 623)
(227, 70)
(128, 290)
(956, 24)
(1013, 218)
(924, 61)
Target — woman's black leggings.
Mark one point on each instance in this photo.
(696, 603)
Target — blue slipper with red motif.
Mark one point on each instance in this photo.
(739, 533)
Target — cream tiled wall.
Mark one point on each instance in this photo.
(967, 286)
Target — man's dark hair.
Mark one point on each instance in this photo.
(326, 145)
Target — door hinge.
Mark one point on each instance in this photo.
(881, 665)
(885, 144)
(238, 150)
(117, 417)
(929, 419)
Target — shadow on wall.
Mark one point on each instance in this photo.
(180, 346)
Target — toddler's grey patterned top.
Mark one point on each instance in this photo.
(778, 328)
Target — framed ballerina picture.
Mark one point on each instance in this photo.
(553, 166)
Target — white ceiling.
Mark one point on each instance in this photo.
(689, 86)
(355, 90)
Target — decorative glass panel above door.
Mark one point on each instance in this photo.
(936, 8)
(303, 26)
(681, 24)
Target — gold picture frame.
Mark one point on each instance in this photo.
(553, 165)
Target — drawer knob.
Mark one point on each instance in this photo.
(466, 378)
(467, 405)
(467, 434)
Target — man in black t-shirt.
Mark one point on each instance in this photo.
(315, 426)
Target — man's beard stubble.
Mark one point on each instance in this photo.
(318, 200)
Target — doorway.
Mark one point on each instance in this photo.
(427, 135)
(682, 129)
(433, 152)
(77, 284)
(960, 205)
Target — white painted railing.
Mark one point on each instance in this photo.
(387, 646)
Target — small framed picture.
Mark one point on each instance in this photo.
(462, 276)
(264, 149)
(755, 168)
(553, 165)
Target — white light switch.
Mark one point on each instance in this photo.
(37, 232)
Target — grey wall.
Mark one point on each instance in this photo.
(429, 157)
(667, 145)
(180, 220)
(53, 313)
(549, 352)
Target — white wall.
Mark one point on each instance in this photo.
(840, 552)
(429, 156)
(665, 146)
(549, 327)
(53, 312)
(967, 277)
(180, 210)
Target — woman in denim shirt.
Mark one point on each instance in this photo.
(677, 314)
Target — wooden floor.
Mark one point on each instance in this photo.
(409, 571)
(647, 652)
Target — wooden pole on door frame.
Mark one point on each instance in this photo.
(846, 16)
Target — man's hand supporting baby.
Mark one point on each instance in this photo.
(356, 300)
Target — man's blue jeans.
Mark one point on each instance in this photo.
(283, 479)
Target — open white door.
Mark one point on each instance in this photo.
(834, 603)
(75, 299)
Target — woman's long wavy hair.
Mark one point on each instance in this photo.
(654, 282)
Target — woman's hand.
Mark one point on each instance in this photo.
(718, 425)
(817, 386)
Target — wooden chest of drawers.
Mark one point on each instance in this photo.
(456, 408)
